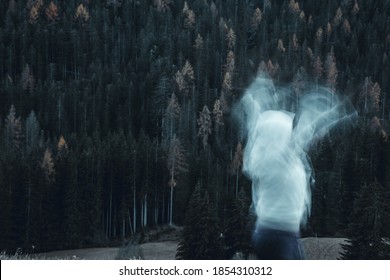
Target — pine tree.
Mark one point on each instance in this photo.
(27, 80)
(211, 247)
(368, 232)
(237, 233)
(116, 3)
(32, 132)
(201, 237)
(11, 7)
(189, 243)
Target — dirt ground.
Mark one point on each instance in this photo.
(323, 248)
(159, 250)
(82, 254)
(315, 248)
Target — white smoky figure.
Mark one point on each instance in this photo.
(275, 160)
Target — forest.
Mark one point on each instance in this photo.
(116, 117)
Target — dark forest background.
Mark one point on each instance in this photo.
(112, 112)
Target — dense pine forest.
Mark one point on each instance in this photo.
(116, 117)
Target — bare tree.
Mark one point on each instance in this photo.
(230, 62)
(62, 145)
(317, 69)
(319, 35)
(177, 163)
(13, 129)
(227, 83)
(237, 163)
(51, 12)
(47, 165)
(294, 7)
(205, 125)
(347, 26)
(331, 70)
(337, 18)
(281, 46)
(256, 19)
(81, 13)
(199, 42)
(35, 10)
(272, 69)
(355, 8)
(189, 20)
(163, 5)
(171, 114)
(218, 113)
(371, 94)
(299, 83)
(295, 43)
(231, 39)
(184, 78)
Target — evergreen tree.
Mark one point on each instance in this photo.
(201, 237)
(368, 231)
(237, 233)
(211, 246)
(146, 69)
(187, 248)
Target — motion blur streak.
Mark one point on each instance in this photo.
(277, 140)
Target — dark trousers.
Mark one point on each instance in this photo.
(271, 244)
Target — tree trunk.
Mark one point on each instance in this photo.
(237, 181)
(110, 215)
(130, 224)
(123, 228)
(170, 207)
(134, 196)
(28, 212)
(145, 209)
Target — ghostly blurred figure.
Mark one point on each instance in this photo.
(276, 162)
(280, 183)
